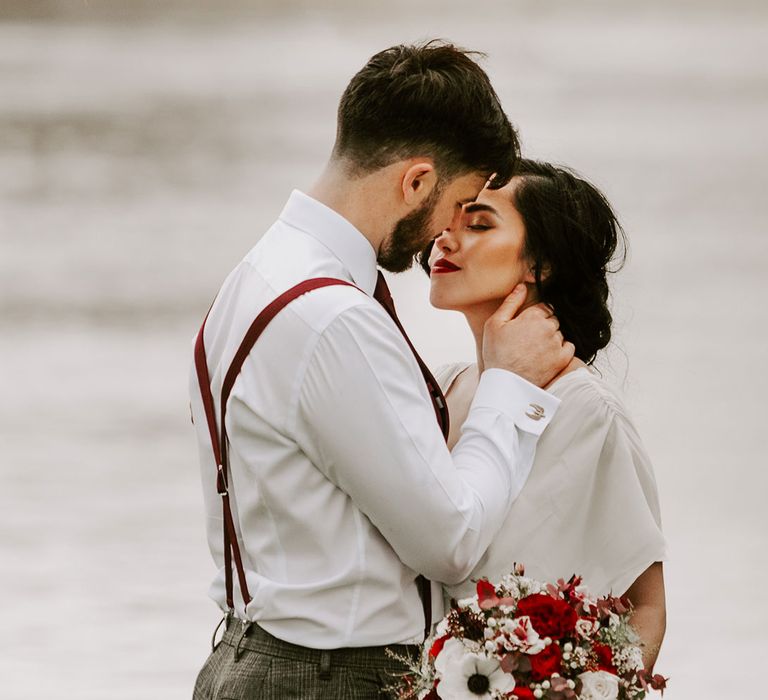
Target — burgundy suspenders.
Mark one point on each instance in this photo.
(219, 435)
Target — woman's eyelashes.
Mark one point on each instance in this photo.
(478, 226)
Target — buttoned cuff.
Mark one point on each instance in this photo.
(529, 407)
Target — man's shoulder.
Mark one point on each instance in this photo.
(254, 284)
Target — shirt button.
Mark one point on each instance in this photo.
(536, 412)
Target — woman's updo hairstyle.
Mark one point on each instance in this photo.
(571, 238)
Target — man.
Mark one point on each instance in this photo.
(341, 488)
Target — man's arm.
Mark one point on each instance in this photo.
(370, 427)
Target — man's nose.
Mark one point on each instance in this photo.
(446, 240)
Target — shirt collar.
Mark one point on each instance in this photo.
(337, 234)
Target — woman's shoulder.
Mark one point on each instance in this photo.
(585, 390)
(446, 374)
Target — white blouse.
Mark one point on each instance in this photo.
(590, 505)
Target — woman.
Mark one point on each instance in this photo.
(590, 505)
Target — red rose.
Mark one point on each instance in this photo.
(523, 692)
(546, 662)
(550, 617)
(432, 695)
(604, 657)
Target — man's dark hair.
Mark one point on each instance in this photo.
(426, 100)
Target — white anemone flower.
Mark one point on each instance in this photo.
(467, 675)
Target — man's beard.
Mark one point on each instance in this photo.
(409, 237)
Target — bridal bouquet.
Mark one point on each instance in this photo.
(523, 639)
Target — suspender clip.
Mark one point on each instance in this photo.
(224, 621)
(221, 481)
(246, 628)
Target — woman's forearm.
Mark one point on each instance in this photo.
(650, 621)
(649, 616)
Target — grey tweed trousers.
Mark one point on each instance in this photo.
(250, 663)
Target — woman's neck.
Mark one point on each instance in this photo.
(476, 318)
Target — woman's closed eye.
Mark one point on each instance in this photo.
(478, 226)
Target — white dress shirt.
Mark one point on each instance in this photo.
(342, 487)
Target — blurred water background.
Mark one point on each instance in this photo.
(145, 146)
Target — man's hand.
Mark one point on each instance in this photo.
(530, 345)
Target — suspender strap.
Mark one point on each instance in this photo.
(218, 434)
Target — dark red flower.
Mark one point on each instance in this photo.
(546, 662)
(432, 695)
(523, 692)
(437, 645)
(604, 657)
(550, 617)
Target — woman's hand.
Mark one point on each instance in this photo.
(528, 343)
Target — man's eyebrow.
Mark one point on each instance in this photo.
(472, 207)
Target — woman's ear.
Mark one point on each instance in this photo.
(418, 181)
(530, 273)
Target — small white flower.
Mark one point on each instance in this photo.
(470, 604)
(586, 628)
(599, 685)
(522, 635)
(465, 675)
(583, 594)
(629, 658)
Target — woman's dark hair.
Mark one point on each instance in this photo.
(571, 239)
(433, 100)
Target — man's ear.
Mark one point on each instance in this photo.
(418, 181)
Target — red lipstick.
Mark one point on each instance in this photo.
(442, 265)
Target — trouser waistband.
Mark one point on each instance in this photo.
(251, 636)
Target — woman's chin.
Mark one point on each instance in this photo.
(439, 301)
